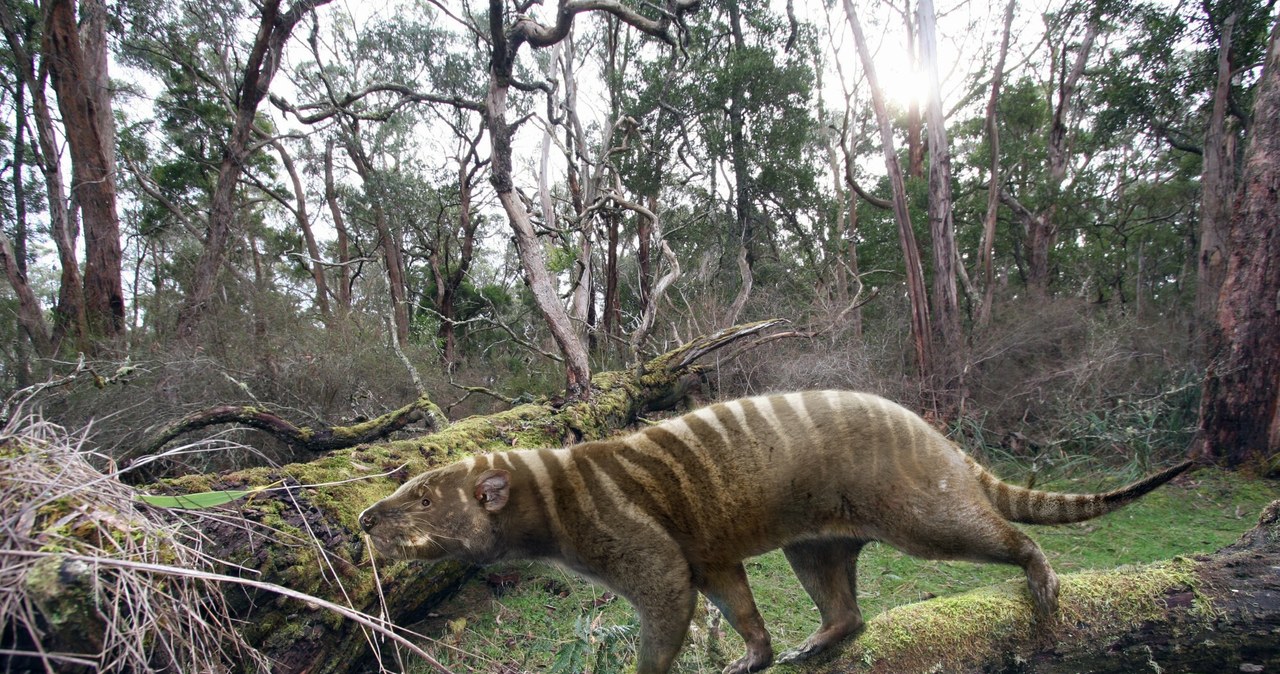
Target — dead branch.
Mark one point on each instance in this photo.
(322, 438)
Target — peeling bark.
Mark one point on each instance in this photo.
(1240, 408)
(949, 345)
(1217, 185)
(79, 76)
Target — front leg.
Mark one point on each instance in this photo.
(663, 625)
(653, 575)
(727, 588)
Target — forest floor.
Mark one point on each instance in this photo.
(529, 616)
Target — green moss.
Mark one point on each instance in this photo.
(940, 634)
(63, 591)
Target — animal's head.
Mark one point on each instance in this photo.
(444, 513)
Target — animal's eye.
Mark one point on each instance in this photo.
(426, 503)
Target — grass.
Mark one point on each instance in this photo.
(551, 621)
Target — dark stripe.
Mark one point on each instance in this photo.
(571, 518)
(1002, 500)
(712, 442)
(698, 472)
(667, 496)
(759, 428)
(521, 469)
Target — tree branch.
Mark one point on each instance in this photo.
(322, 438)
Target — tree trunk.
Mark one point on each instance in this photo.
(315, 263)
(528, 245)
(389, 239)
(68, 314)
(612, 301)
(20, 233)
(13, 253)
(1042, 229)
(1240, 403)
(920, 331)
(307, 538)
(993, 181)
(30, 315)
(448, 282)
(1213, 613)
(339, 224)
(1217, 187)
(743, 187)
(79, 78)
(948, 345)
(644, 255)
(915, 142)
(274, 28)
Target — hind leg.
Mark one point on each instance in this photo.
(727, 588)
(828, 571)
(985, 537)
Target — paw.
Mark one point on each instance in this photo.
(751, 662)
(1045, 596)
(824, 638)
(800, 653)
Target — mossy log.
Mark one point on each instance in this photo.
(300, 531)
(1211, 613)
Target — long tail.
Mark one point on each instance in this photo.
(1031, 506)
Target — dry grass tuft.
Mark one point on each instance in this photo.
(59, 516)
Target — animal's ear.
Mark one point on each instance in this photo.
(492, 489)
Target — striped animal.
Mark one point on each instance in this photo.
(674, 509)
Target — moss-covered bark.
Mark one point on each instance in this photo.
(1218, 613)
(306, 537)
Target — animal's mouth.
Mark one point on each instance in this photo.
(401, 546)
(387, 547)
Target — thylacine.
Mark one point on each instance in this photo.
(674, 509)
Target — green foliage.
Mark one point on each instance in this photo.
(197, 501)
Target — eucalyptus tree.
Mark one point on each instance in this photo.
(750, 87)
(916, 294)
(183, 162)
(1186, 77)
(393, 95)
(30, 57)
(992, 132)
(1242, 384)
(1038, 203)
(508, 32)
(243, 91)
(949, 346)
(75, 48)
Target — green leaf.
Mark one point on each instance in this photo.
(206, 499)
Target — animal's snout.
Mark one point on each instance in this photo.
(368, 520)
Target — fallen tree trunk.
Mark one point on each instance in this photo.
(296, 528)
(1210, 613)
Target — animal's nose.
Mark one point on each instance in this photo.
(368, 520)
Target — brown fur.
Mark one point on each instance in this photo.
(674, 509)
